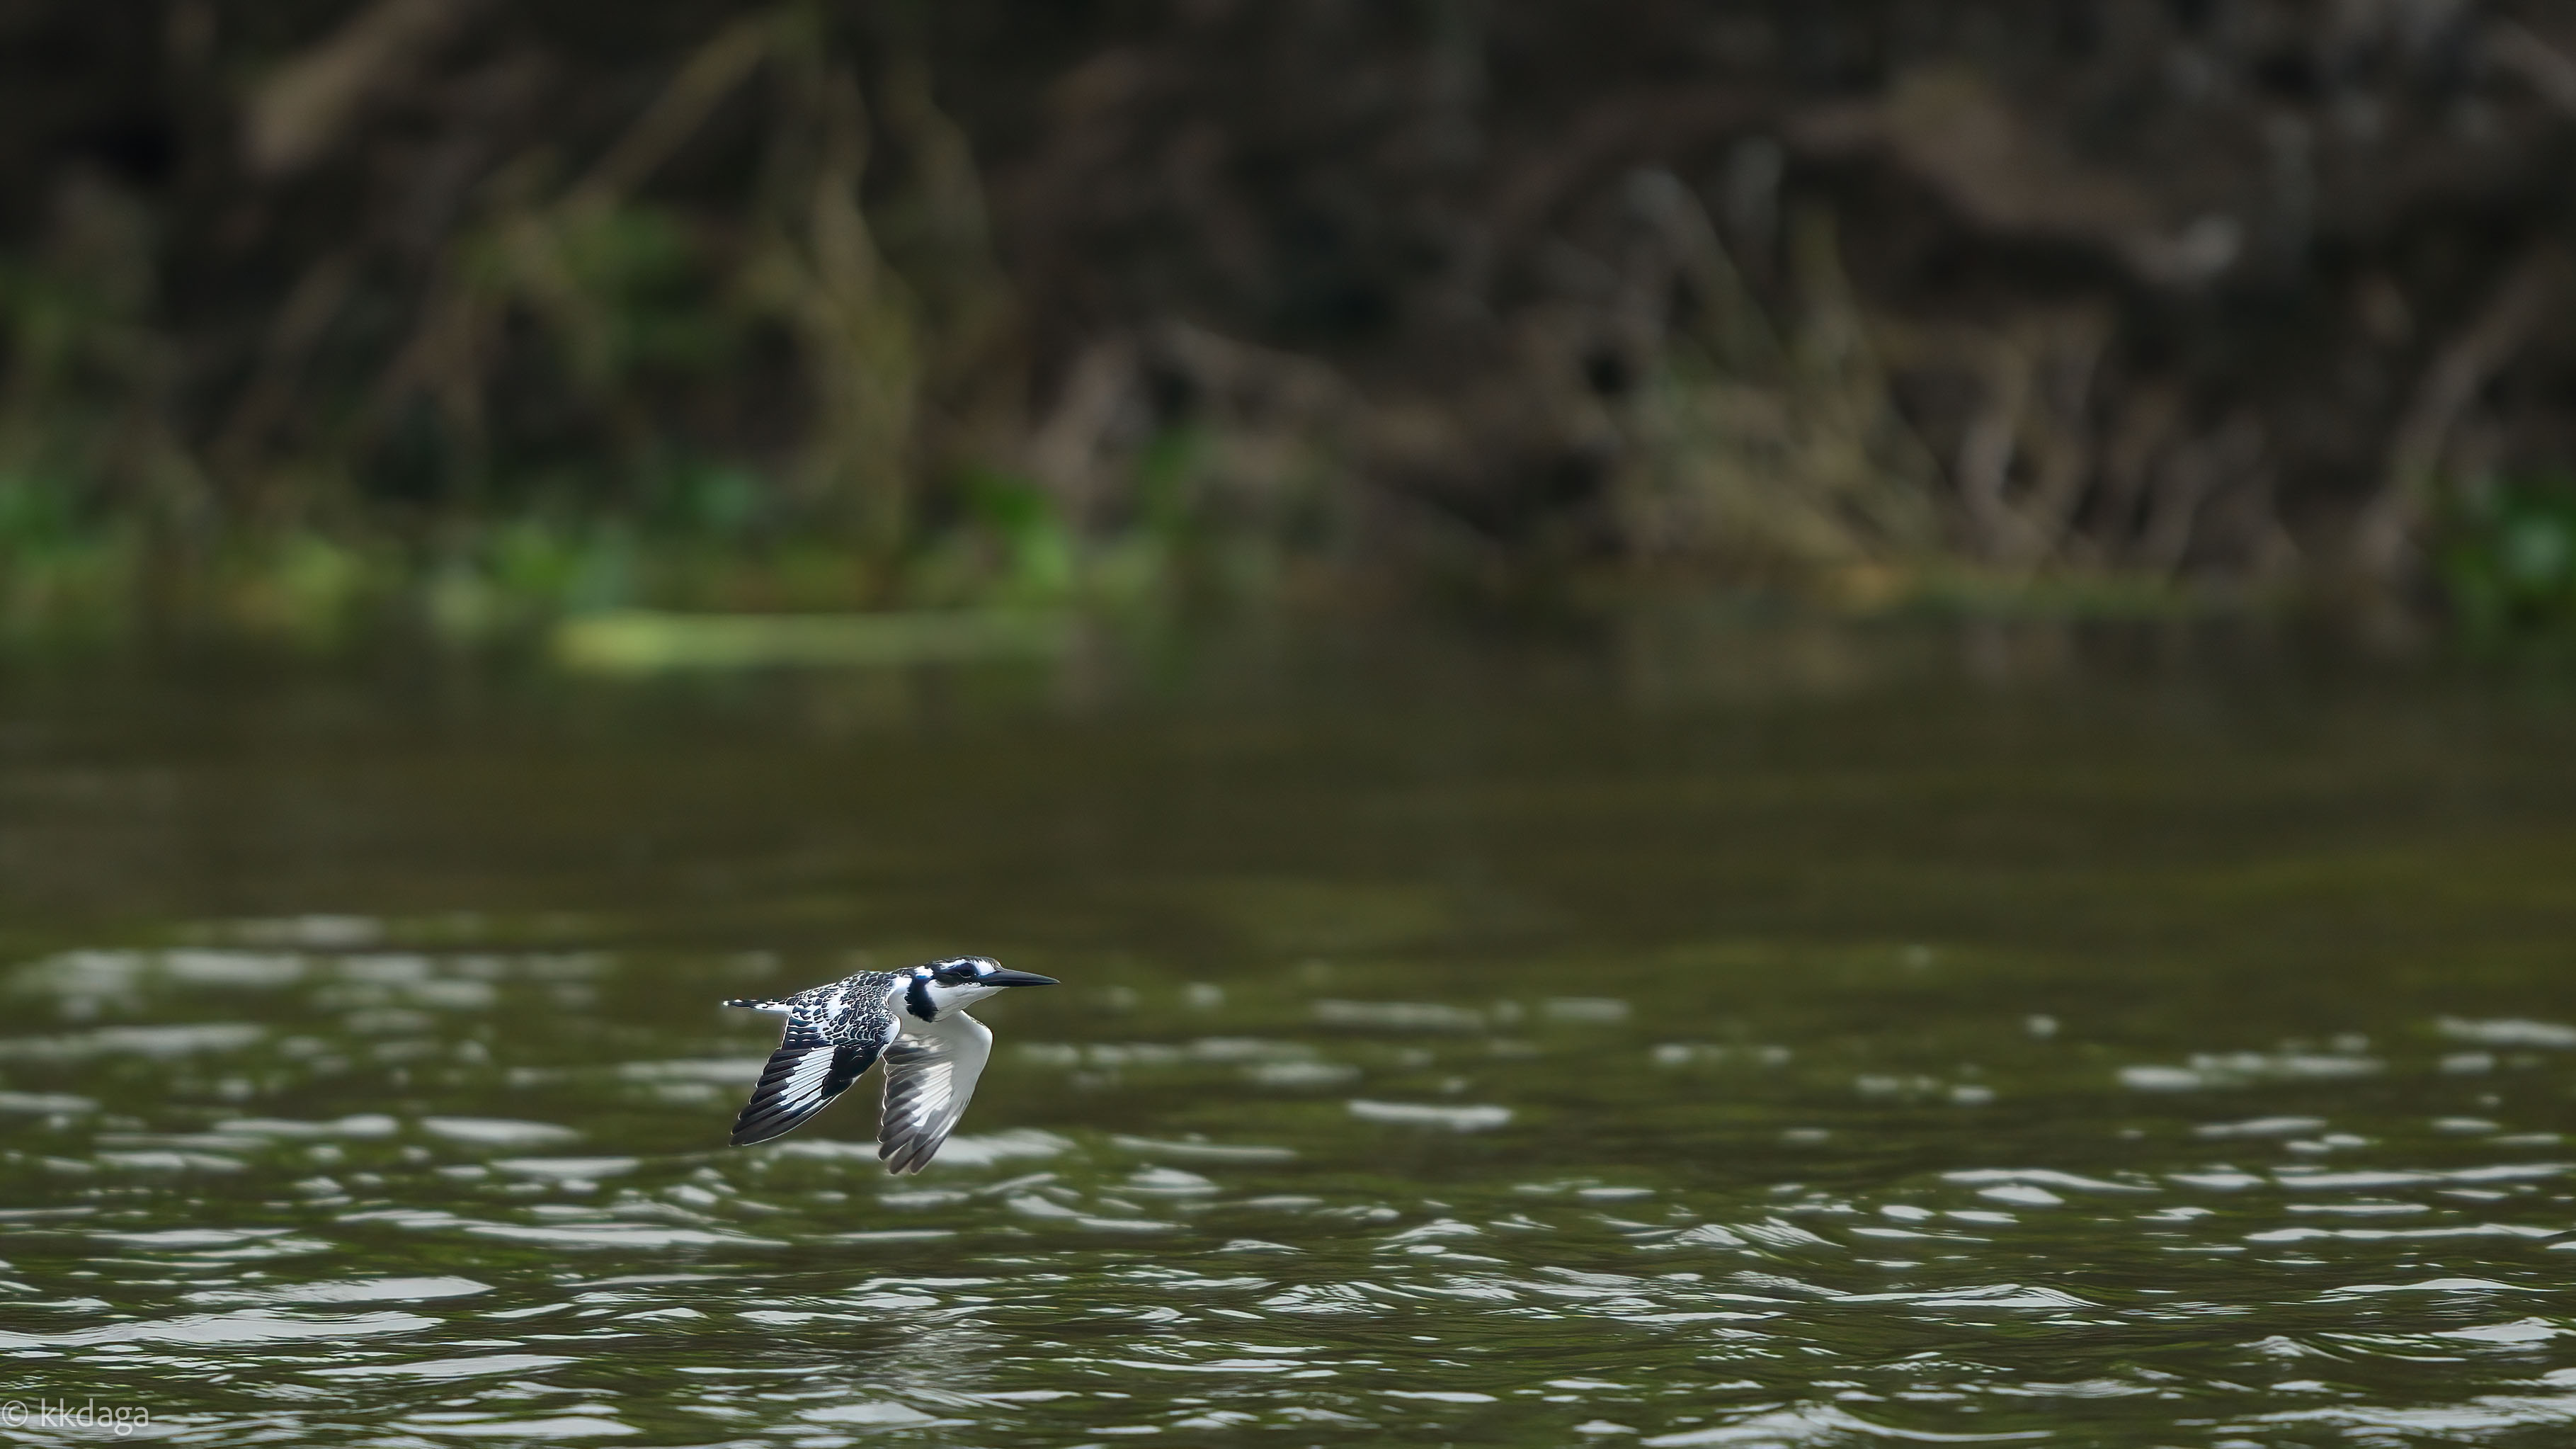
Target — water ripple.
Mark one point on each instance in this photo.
(517, 1238)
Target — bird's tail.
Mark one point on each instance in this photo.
(757, 1003)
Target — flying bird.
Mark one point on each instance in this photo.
(916, 1020)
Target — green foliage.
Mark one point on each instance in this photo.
(584, 394)
(2508, 557)
(36, 513)
(712, 500)
(621, 287)
(1038, 554)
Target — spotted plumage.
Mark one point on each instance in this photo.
(915, 1021)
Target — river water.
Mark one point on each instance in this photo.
(1676, 1034)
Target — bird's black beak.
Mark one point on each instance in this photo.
(1015, 978)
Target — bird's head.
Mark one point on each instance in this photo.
(964, 980)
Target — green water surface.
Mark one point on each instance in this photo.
(1660, 1035)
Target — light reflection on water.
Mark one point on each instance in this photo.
(2177, 1059)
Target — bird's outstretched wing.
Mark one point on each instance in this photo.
(928, 1078)
(804, 1073)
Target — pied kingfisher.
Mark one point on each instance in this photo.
(915, 1019)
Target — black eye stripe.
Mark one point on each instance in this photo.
(962, 971)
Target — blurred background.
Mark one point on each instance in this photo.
(462, 316)
(1744, 724)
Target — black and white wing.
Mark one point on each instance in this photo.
(805, 1072)
(930, 1072)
